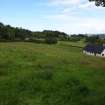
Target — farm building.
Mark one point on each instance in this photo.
(95, 50)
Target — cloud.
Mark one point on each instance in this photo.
(78, 16)
(81, 3)
(65, 2)
(83, 27)
(72, 24)
(87, 5)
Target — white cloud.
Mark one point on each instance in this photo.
(65, 2)
(80, 3)
(72, 24)
(82, 27)
(78, 16)
(87, 5)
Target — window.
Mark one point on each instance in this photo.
(102, 54)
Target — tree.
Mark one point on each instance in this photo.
(1, 29)
(92, 39)
(99, 2)
(51, 38)
(9, 33)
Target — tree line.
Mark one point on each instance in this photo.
(10, 33)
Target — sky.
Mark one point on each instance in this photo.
(70, 16)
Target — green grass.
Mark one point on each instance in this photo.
(40, 74)
(77, 44)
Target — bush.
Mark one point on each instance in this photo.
(51, 40)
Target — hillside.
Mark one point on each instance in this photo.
(40, 74)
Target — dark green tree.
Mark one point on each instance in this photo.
(92, 39)
(10, 33)
(51, 38)
(99, 2)
(1, 30)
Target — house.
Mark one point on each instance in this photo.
(95, 50)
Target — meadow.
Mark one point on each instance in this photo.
(41, 74)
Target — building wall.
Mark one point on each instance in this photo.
(93, 54)
(99, 55)
(88, 53)
(103, 54)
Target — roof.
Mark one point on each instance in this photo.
(93, 48)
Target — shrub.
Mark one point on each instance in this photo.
(51, 40)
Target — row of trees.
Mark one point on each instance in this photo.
(46, 33)
(9, 33)
(95, 39)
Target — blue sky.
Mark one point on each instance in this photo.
(70, 16)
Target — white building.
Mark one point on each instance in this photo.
(95, 50)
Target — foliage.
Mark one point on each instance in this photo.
(45, 33)
(51, 40)
(9, 33)
(76, 38)
(99, 2)
(92, 39)
(95, 39)
(13, 34)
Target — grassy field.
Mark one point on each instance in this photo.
(36, 74)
